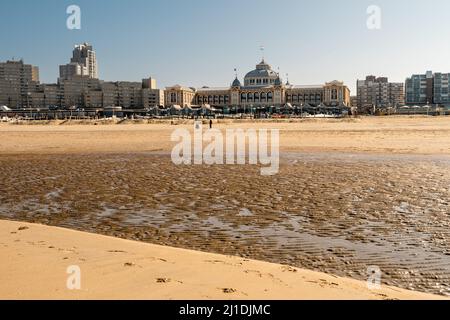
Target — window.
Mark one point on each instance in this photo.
(269, 97)
(173, 97)
(243, 97)
(334, 94)
(263, 97)
(256, 95)
(249, 97)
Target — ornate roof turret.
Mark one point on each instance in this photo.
(236, 83)
(278, 81)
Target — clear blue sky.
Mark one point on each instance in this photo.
(200, 42)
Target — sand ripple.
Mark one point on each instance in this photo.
(332, 212)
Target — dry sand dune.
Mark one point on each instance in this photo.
(38, 257)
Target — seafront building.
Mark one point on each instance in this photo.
(78, 86)
(93, 93)
(82, 63)
(18, 82)
(428, 88)
(378, 92)
(262, 88)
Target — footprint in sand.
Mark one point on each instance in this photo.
(288, 269)
(268, 275)
(258, 273)
(236, 264)
(167, 280)
(323, 283)
(228, 290)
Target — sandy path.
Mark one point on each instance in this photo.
(421, 135)
(38, 257)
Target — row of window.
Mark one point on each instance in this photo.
(257, 96)
(213, 99)
(260, 81)
(301, 97)
(174, 97)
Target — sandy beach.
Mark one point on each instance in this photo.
(402, 134)
(350, 194)
(38, 257)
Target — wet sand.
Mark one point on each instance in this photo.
(332, 213)
(335, 208)
(110, 268)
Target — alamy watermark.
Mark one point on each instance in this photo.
(74, 279)
(73, 21)
(374, 280)
(207, 147)
(374, 19)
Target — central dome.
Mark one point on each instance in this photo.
(263, 75)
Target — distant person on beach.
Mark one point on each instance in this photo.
(210, 123)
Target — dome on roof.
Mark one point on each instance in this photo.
(262, 71)
(236, 83)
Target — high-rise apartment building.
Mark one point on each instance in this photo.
(441, 88)
(428, 88)
(379, 92)
(82, 64)
(18, 81)
(419, 89)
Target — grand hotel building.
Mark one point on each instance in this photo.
(262, 87)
